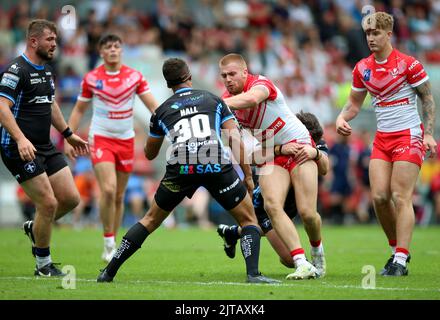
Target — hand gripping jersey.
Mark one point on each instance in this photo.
(112, 95)
(273, 115)
(391, 84)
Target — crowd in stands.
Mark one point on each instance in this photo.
(308, 48)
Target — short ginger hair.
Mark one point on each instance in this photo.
(233, 57)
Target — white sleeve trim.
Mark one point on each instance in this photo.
(144, 92)
(419, 82)
(358, 89)
(81, 98)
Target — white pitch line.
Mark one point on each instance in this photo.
(294, 284)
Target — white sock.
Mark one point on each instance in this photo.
(400, 258)
(42, 261)
(299, 259)
(318, 250)
(393, 250)
(109, 242)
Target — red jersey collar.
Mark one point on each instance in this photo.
(250, 78)
(388, 59)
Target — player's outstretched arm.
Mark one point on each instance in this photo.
(350, 111)
(248, 99)
(149, 101)
(25, 148)
(428, 112)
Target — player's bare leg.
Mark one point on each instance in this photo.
(106, 176)
(380, 182)
(121, 186)
(65, 191)
(40, 192)
(403, 181)
(275, 183)
(305, 181)
(280, 248)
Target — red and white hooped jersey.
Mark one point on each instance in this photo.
(391, 85)
(272, 116)
(112, 95)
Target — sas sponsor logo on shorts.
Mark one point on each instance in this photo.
(30, 167)
(200, 169)
(232, 186)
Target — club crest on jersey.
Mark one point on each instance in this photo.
(14, 68)
(394, 72)
(367, 74)
(99, 84)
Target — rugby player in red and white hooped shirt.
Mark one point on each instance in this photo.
(394, 81)
(259, 104)
(111, 88)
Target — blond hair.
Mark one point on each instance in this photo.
(378, 20)
(233, 57)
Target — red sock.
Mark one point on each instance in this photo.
(108, 234)
(402, 250)
(293, 253)
(392, 243)
(315, 243)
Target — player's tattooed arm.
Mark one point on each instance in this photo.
(428, 106)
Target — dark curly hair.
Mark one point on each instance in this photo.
(312, 124)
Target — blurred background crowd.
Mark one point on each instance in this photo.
(308, 48)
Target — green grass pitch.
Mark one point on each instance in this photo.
(187, 264)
